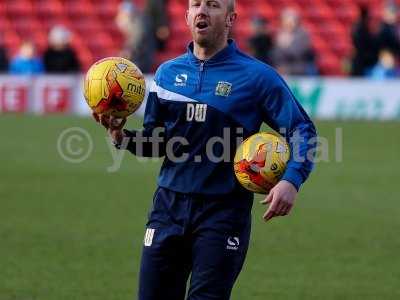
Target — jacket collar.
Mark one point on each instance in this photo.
(221, 56)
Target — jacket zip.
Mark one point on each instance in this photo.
(201, 74)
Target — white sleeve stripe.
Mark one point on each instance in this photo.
(153, 86)
(168, 95)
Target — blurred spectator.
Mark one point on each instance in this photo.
(365, 45)
(26, 62)
(388, 37)
(260, 43)
(59, 57)
(156, 13)
(138, 46)
(386, 66)
(3, 59)
(293, 54)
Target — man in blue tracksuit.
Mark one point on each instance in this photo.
(200, 220)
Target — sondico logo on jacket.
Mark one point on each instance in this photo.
(181, 79)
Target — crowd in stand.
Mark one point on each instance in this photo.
(289, 51)
(376, 48)
(145, 33)
(58, 58)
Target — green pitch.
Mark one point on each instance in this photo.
(74, 231)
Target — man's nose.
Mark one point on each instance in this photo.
(203, 9)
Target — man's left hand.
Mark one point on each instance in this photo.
(281, 199)
(113, 125)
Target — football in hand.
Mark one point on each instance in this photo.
(114, 86)
(260, 161)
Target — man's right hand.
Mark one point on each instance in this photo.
(113, 125)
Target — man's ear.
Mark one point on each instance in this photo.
(187, 17)
(230, 20)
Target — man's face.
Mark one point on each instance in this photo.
(209, 20)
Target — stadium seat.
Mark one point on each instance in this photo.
(18, 7)
(318, 13)
(2, 9)
(51, 8)
(4, 23)
(26, 26)
(328, 22)
(330, 64)
(176, 7)
(79, 9)
(11, 41)
(107, 10)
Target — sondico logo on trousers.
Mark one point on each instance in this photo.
(233, 243)
(196, 112)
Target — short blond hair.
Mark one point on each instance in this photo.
(231, 5)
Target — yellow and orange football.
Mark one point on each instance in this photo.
(114, 86)
(260, 162)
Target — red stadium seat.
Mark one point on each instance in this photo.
(328, 21)
(265, 10)
(79, 9)
(2, 9)
(107, 10)
(318, 13)
(26, 26)
(18, 7)
(11, 41)
(85, 57)
(330, 64)
(46, 9)
(99, 43)
(87, 27)
(4, 24)
(41, 40)
(347, 14)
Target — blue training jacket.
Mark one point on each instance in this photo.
(227, 96)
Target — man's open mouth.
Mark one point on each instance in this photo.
(201, 24)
